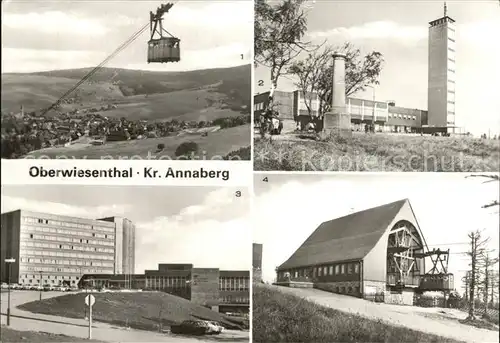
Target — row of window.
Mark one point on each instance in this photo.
(67, 254)
(65, 270)
(402, 116)
(259, 106)
(234, 300)
(66, 262)
(160, 282)
(46, 277)
(338, 269)
(67, 224)
(34, 236)
(28, 228)
(347, 290)
(233, 283)
(47, 281)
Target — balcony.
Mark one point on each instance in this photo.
(409, 281)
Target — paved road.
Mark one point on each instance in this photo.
(438, 321)
(28, 321)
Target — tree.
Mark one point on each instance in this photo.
(477, 250)
(360, 72)
(485, 282)
(309, 74)
(186, 149)
(278, 33)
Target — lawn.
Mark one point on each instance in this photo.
(377, 152)
(141, 310)
(213, 146)
(9, 335)
(279, 317)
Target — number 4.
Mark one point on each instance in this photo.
(265, 179)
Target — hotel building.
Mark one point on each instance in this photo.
(57, 250)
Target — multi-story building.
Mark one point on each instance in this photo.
(58, 250)
(221, 290)
(257, 262)
(442, 73)
(296, 111)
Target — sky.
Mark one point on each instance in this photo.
(208, 227)
(64, 34)
(399, 30)
(288, 208)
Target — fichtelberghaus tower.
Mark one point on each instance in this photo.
(442, 77)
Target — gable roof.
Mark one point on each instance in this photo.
(347, 238)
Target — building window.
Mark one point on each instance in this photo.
(331, 270)
(342, 269)
(451, 70)
(319, 271)
(349, 268)
(414, 117)
(451, 39)
(325, 271)
(356, 268)
(337, 269)
(452, 50)
(31, 235)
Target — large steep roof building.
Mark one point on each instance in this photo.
(375, 253)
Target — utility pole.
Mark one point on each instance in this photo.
(41, 283)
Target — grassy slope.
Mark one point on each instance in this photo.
(9, 335)
(137, 310)
(218, 143)
(37, 90)
(279, 317)
(379, 152)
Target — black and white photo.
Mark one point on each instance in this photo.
(126, 79)
(375, 258)
(376, 86)
(156, 264)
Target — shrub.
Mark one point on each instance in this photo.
(186, 149)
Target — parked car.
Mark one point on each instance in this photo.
(215, 328)
(197, 327)
(5, 285)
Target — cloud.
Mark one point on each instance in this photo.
(219, 15)
(91, 212)
(218, 57)
(54, 22)
(30, 60)
(374, 30)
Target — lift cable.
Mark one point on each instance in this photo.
(96, 69)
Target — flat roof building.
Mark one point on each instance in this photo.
(294, 112)
(57, 250)
(224, 291)
(377, 254)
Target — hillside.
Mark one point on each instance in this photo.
(141, 310)
(155, 95)
(281, 317)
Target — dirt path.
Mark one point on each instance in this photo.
(438, 321)
(28, 321)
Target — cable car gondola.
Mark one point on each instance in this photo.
(163, 49)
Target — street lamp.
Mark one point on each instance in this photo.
(41, 285)
(9, 261)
